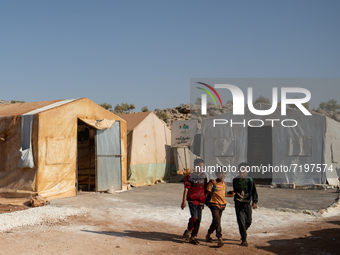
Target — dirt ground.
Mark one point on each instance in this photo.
(148, 220)
(12, 208)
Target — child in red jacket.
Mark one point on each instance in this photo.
(194, 192)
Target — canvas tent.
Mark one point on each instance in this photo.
(315, 140)
(41, 143)
(149, 154)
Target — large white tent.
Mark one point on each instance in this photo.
(308, 153)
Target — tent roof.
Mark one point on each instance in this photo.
(22, 108)
(133, 119)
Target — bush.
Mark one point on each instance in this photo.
(16, 101)
(330, 105)
(161, 114)
(124, 108)
(106, 106)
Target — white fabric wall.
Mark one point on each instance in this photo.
(332, 151)
(291, 145)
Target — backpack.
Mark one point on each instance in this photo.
(207, 199)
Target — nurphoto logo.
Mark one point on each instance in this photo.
(239, 104)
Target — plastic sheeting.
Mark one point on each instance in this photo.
(149, 174)
(304, 145)
(184, 158)
(26, 158)
(331, 150)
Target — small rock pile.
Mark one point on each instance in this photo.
(191, 112)
(4, 102)
(333, 115)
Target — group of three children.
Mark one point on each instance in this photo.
(198, 192)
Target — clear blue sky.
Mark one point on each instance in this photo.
(145, 52)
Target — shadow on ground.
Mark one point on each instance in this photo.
(321, 242)
(158, 236)
(334, 222)
(145, 235)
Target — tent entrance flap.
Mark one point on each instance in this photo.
(98, 124)
(108, 158)
(260, 152)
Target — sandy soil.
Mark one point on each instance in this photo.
(12, 208)
(127, 224)
(86, 235)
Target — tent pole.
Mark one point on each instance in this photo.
(185, 158)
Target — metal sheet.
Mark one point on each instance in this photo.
(108, 158)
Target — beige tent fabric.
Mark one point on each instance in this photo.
(149, 153)
(19, 109)
(54, 143)
(56, 174)
(133, 119)
(150, 142)
(12, 178)
(104, 124)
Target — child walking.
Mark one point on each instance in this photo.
(245, 191)
(194, 192)
(217, 203)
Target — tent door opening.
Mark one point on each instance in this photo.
(98, 158)
(260, 152)
(85, 157)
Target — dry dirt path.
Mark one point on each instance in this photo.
(149, 220)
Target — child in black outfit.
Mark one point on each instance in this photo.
(245, 191)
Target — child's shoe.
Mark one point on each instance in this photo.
(220, 242)
(208, 238)
(186, 234)
(244, 243)
(193, 240)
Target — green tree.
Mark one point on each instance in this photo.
(124, 108)
(16, 101)
(330, 105)
(161, 114)
(145, 109)
(106, 106)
